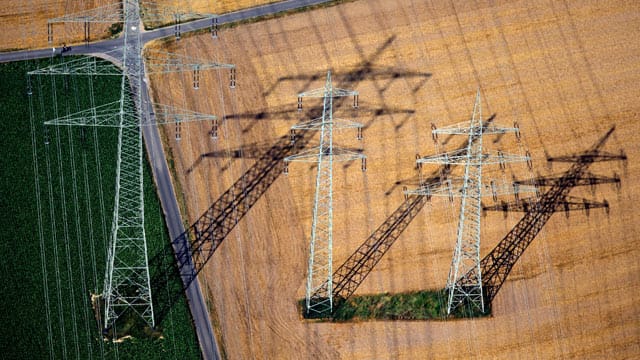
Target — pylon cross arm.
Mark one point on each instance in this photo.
(108, 115)
(453, 187)
(158, 62)
(314, 154)
(460, 157)
(81, 66)
(316, 124)
(167, 114)
(464, 129)
(332, 92)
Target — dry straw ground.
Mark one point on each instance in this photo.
(566, 71)
(23, 24)
(217, 7)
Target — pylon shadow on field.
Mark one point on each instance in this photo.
(206, 233)
(365, 70)
(284, 112)
(370, 113)
(256, 150)
(412, 181)
(348, 277)
(167, 286)
(496, 266)
(248, 151)
(199, 242)
(288, 112)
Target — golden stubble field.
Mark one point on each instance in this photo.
(216, 7)
(23, 24)
(566, 72)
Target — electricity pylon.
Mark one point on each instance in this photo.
(464, 283)
(127, 281)
(319, 293)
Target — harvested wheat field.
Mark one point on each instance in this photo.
(164, 10)
(566, 72)
(216, 7)
(24, 23)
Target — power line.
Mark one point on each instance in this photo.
(127, 284)
(464, 283)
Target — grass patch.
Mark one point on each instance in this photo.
(177, 185)
(415, 305)
(115, 29)
(48, 284)
(11, 50)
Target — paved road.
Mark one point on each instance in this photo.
(155, 151)
(197, 305)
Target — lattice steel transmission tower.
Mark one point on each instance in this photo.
(464, 283)
(127, 281)
(319, 292)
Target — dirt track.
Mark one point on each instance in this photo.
(565, 72)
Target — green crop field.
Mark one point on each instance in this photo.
(57, 202)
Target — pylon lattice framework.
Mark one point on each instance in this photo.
(464, 282)
(127, 282)
(319, 292)
(157, 62)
